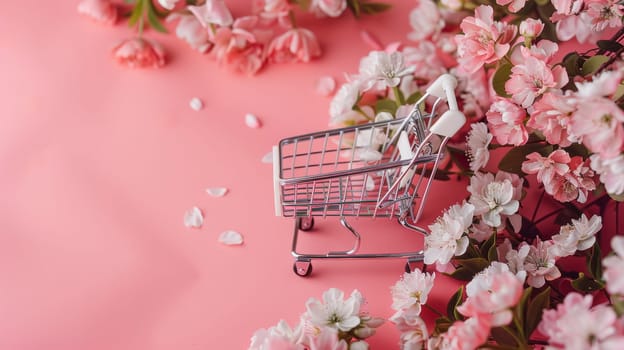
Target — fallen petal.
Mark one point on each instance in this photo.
(193, 218)
(231, 238)
(325, 86)
(268, 158)
(217, 191)
(252, 121)
(196, 104)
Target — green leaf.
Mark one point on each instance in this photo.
(619, 92)
(492, 253)
(456, 300)
(618, 306)
(617, 197)
(354, 6)
(372, 8)
(137, 12)
(512, 161)
(413, 98)
(535, 310)
(462, 274)
(609, 45)
(577, 149)
(593, 63)
(475, 265)
(153, 19)
(442, 324)
(500, 78)
(486, 245)
(571, 63)
(504, 336)
(594, 261)
(386, 105)
(586, 284)
(519, 310)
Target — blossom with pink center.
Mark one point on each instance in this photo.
(614, 267)
(603, 85)
(384, 68)
(448, 234)
(604, 13)
(492, 293)
(573, 185)
(295, 45)
(598, 122)
(540, 263)
(506, 121)
(532, 79)
(551, 116)
(466, 335)
(514, 5)
(335, 311)
(102, 11)
(168, 4)
(212, 12)
(611, 171)
(484, 40)
(139, 53)
(425, 20)
(570, 21)
(575, 325)
(579, 235)
(513, 259)
(478, 141)
(411, 291)
(425, 60)
(412, 327)
(531, 28)
(547, 167)
(238, 48)
(492, 199)
(190, 30)
(331, 8)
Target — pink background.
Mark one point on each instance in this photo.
(98, 165)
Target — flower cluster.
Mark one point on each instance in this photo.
(335, 323)
(245, 44)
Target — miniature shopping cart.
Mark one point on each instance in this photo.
(382, 169)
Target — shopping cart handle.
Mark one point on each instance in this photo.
(449, 123)
(441, 87)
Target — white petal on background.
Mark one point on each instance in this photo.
(231, 238)
(325, 86)
(196, 104)
(268, 158)
(252, 121)
(193, 218)
(370, 183)
(217, 191)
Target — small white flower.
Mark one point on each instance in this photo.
(478, 141)
(579, 235)
(262, 338)
(447, 237)
(344, 100)
(540, 263)
(380, 66)
(334, 311)
(492, 198)
(411, 290)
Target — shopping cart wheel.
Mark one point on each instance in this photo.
(302, 268)
(306, 223)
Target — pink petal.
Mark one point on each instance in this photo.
(325, 86)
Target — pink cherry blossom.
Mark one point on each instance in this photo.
(168, 4)
(514, 259)
(551, 116)
(611, 171)
(514, 5)
(492, 199)
(279, 337)
(383, 68)
(238, 47)
(271, 9)
(413, 328)
(466, 335)
(598, 122)
(604, 13)
(102, 11)
(212, 12)
(540, 263)
(603, 85)
(573, 185)
(295, 45)
(614, 267)
(484, 40)
(579, 235)
(570, 21)
(411, 291)
(506, 122)
(425, 20)
(327, 340)
(492, 292)
(190, 30)
(424, 59)
(474, 92)
(547, 167)
(533, 78)
(448, 234)
(331, 8)
(139, 53)
(531, 27)
(478, 141)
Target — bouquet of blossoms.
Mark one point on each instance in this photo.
(244, 44)
(542, 155)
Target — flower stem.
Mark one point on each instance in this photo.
(398, 95)
(293, 20)
(539, 203)
(141, 18)
(359, 110)
(434, 310)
